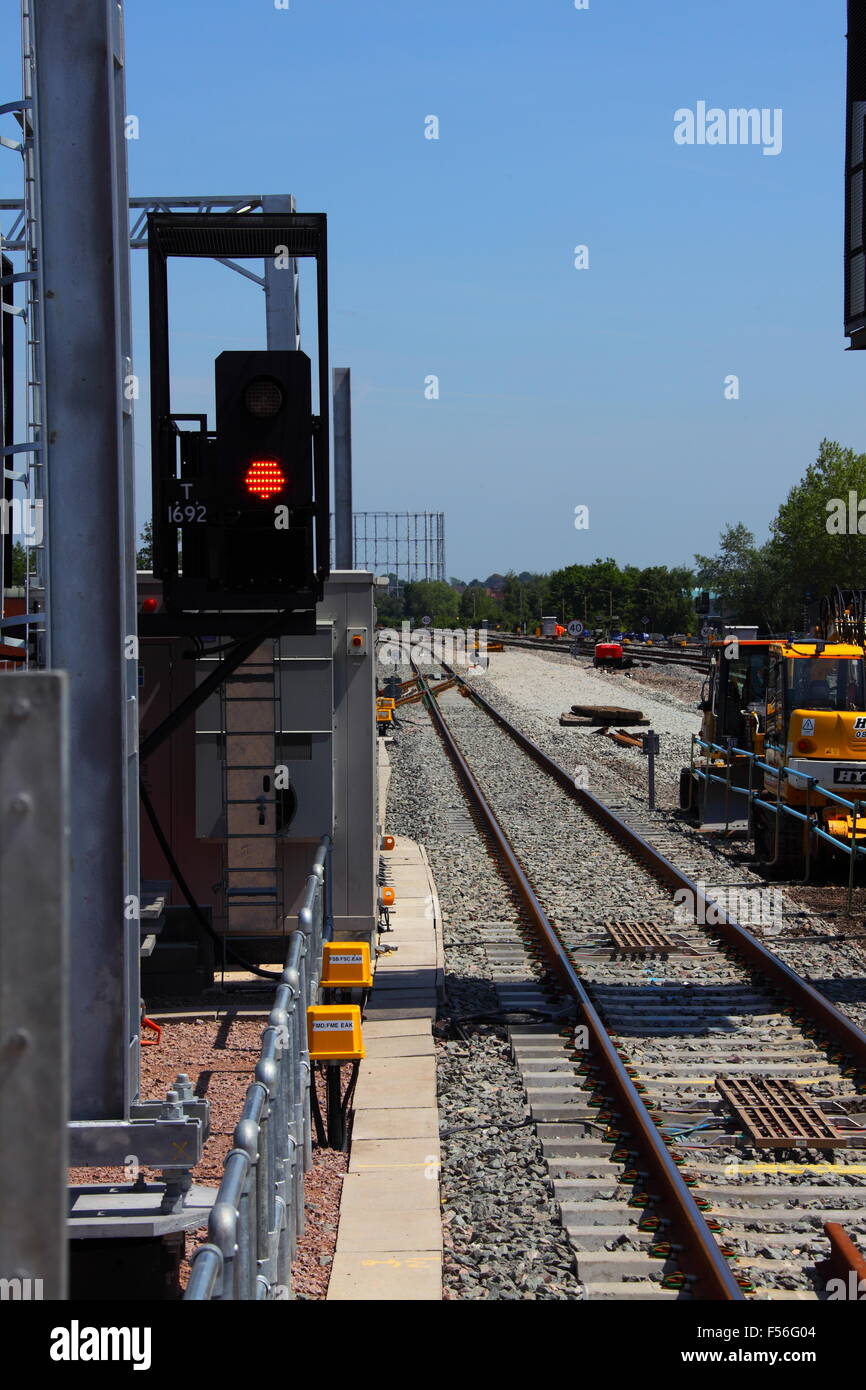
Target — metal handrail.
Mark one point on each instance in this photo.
(852, 806)
(258, 1214)
(855, 808)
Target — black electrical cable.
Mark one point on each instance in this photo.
(321, 1137)
(347, 1100)
(187, 893)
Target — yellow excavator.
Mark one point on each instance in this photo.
(797, 704)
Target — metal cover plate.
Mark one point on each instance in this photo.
(639, 936)
(776, 1114)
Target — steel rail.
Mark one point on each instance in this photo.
(813, 1004)
(844, 1260)
(706, 1266)
(689, 661)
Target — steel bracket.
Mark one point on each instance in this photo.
(150, 1143)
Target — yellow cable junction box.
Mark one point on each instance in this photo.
(334, 1033)
(346, 965)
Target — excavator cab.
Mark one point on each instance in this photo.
(733, 714)
(816, 727)
(793, 703)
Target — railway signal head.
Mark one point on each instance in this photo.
(237, 505)
(263, 470)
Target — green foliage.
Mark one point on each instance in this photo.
(433, 598)
(19, 565)
(144, 555)
(601, 594)
(815, 543)
(476, 604)
(809, 558)
(389, 607)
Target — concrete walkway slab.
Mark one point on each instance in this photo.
(390, 1189)
(416, 1231)
(389, 1239)
(396, 1083)
(376, 1155)
(396, 1028)
(418, 1046)
(398, 1007)
(413, 1122)
(405, 977)
(386, 1276)
(389, 1242)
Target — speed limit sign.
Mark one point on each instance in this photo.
(575, 628)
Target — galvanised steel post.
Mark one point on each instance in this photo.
(81, 172)
(281, 286)
(343, 558)
(34, 1004)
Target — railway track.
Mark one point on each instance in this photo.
(691, 660)
(681, 1045)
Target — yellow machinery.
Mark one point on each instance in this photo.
(732, 706)
(797, 704)
(815, 719)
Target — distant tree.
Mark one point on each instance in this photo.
(433, 598)
(664, 597)
(144, 555)
(19, 565)
(736, 575)
(389, 606)
(476, 604)
(817, 539)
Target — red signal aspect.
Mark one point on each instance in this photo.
(264, 478)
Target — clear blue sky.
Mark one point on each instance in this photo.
(559, 387)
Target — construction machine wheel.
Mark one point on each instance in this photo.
(687, 790)
(791, 853)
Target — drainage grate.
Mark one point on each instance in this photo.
(777, 1114)
(639, 936)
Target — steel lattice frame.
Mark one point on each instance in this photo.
(410, 545)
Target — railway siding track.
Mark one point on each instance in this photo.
(658, 1196)
(693, 660)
